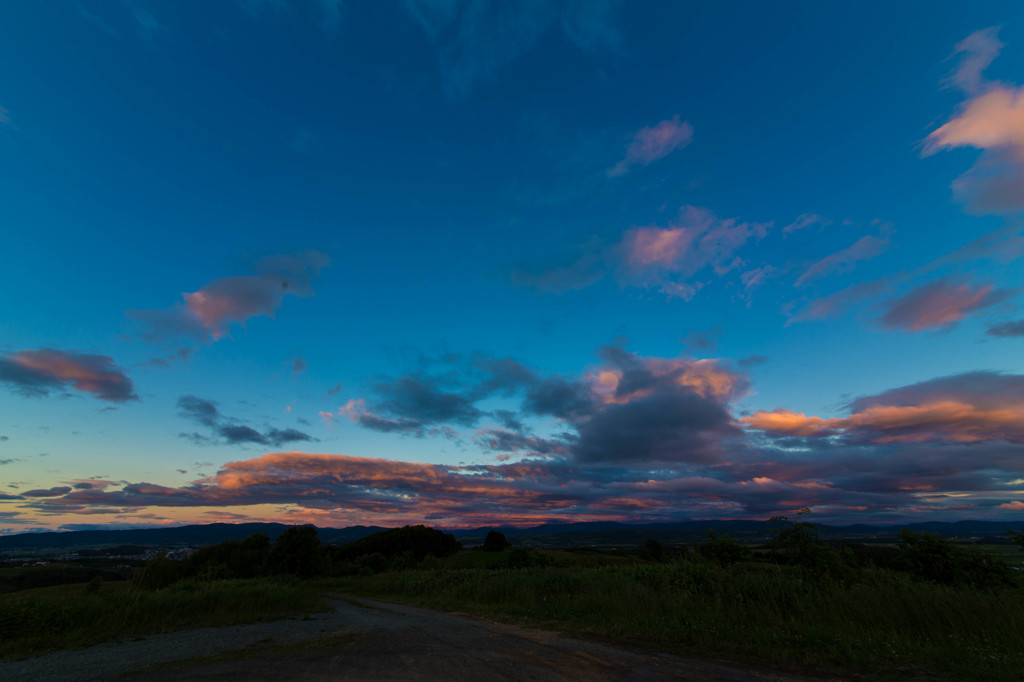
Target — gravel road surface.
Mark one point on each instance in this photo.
(384, 642)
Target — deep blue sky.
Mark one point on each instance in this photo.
(462, 262)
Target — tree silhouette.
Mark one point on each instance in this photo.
(495, 541)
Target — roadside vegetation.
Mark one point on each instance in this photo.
(927, 608)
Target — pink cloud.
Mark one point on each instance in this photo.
(992, 120)
(652, 143)
(940, 304)
(37, 372)
(1015, 505)
(209, 313)
(667, 258)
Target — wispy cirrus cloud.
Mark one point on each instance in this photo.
(940, 305)
(651, 143)
(992, 120)
(804, 221)
(844, 260)
(40, 372)
(208, 313)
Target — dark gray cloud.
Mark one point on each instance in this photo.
(703, 340)
(230, 430)
(48, 492)
(40, 372)
(420, 398)
(198, 410)
(1007, 329)
(983, 389)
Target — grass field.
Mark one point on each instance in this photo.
(882, 624)
(68, 616)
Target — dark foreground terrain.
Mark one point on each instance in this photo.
(364, 639)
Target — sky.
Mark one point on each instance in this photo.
(467, 263)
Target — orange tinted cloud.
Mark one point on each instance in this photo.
(787, 423)
(708, 378)
(941, 421)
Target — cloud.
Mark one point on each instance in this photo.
(992, 120)
(229, 430)
(703, 340)
(298, 366)
(474, 40)
(209, 313)
(668, 259)
(940, 304)
(626, 408)
(38, 372)
(1006, 329)
(202, 411)
(963, 408)
(647, 439)
(976, 51)
(752, 279)
(50, 492)
(844, 260)
(651, 143)
(580, 272)
(5, 116)
(804, 221)
(1015, 505)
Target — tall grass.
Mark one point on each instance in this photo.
(883, 623)
(72, 616)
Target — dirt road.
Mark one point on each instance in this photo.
(371, 640)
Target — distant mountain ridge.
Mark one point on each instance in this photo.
(579, 534)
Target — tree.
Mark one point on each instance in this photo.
(938, 560)
(1018, 538)
(799, 540)
(495, 541)
(297, 551)
(723, 550)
